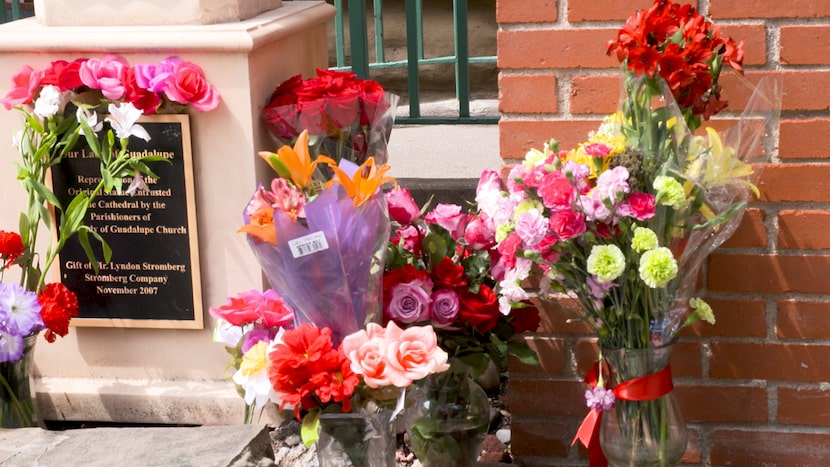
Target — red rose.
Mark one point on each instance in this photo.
(479, 310)
(525, 318)
(143, 99)
(449, 274)
(11, 247)
(372, 103)
(280, 113)
(58, 306)
(63, 74)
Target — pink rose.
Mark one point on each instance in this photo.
(188, 85)
(409, 303)
(450, 217)
(275, 313)
(490, 180)
(567, 224)
(402, 207)
(414, 354)
(242, 308)
(411, 237)
(106, 74)
(480, 233)
(25, 82)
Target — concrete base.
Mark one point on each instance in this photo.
(147, 12)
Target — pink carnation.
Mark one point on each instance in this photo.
(556, 191)
(567, 224)
(531, 227)
(639, 206)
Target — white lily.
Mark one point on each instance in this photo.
(90, 117)
(123, 120)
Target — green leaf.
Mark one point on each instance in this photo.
(74, 215)
(45, 193)
(309, 430)
(91, 138)
(522, 352)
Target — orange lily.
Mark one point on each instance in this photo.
(261, 226)
(295, 163)
(366, 180)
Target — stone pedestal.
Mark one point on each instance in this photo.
(148, 12)
(170, 375)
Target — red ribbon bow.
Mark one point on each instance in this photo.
(643, 388)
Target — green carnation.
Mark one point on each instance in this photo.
(503, 230)
(669, 192)
(657, 267)
(607, 262)
(644, 239)
(702, 310)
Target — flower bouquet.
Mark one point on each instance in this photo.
(346, 395)
(346, 117)
(245, 320)
(322, 247)
(60, 104)
(441, 271)
(623, 221)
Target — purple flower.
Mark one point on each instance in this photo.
(444, 307)
(252, 337)
(19, 310)
(11, 347)
(154, 77)
(409, 303)
(599, 398)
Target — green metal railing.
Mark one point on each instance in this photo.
(12, 11)
(360, 61)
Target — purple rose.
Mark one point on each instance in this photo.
(409, 303)
(154, 77)
(444, 307)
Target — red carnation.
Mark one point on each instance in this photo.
(11, 247)
(58, 306)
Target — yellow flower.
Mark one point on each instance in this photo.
(365, 182)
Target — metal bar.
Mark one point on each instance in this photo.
(339, 36)
(380, 55)
(425, 61)
(419, 19)
(479, 120)
(412, 54)
(462, 53)
(15, 9)
(358, 38)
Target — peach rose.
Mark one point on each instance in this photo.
(414, 355)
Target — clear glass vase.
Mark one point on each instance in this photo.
(447, 418)
(641, 433)
(17, 396)
(363, 438)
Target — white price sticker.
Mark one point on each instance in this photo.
(308, 244)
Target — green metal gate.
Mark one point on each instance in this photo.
(14, 10)
(360, 61)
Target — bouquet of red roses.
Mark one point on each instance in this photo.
(346, 117)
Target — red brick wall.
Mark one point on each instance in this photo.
(753, 387)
